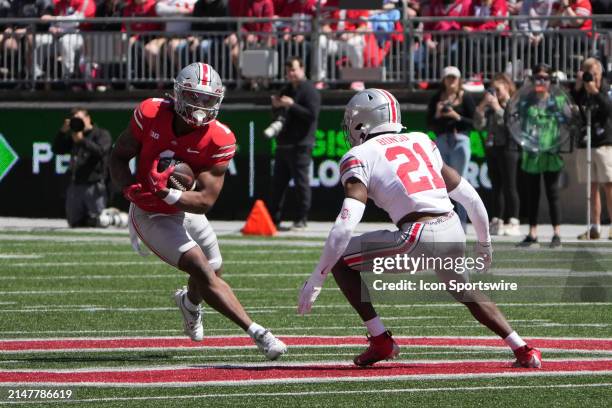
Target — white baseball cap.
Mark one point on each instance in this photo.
(451, 71)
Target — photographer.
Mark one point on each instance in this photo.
(450, 115)
(590, 92)
(544, 112)
(297, 108)
(502, 155)
(89, 147)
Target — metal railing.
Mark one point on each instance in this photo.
(92, 57)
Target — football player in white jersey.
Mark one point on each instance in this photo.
(403, 173)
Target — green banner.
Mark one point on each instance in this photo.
(26, 159)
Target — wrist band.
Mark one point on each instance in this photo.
(173, 196)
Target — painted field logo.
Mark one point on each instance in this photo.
(8, 157)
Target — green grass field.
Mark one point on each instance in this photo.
(85, 285)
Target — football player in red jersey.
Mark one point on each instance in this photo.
(172, 222)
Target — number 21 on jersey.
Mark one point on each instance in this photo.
(416, 175)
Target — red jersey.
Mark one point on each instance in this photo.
(146, 9)
(582, 8)
(203, 148)
(283, 8)
(253, 8)
(437, 8)
(498, 8)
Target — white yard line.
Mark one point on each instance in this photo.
(278, 363)
(532, 373)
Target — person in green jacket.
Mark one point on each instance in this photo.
(542, 119)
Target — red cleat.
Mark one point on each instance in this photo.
(382, 347)
(528, 357)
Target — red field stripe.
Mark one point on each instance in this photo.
(302, 372)
(582, 344)
(244, 341)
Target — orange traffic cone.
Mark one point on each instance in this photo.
(259, 221)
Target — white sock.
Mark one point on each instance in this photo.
(375, 327)
(514, 341)
(190, 306)
(255, 329)
(596, 227)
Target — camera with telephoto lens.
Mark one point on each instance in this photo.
(587, 77)
(76, 124)
(447, 107)
(275, 127)
(491, 91)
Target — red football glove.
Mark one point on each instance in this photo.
(158, 181)
(143, 199)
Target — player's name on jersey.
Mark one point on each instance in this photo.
(406, 285)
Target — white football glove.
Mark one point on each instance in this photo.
(310, 291)
(484, 250)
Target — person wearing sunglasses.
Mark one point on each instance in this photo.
(542, 114)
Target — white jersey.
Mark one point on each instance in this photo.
(402, 173)
(176, 8)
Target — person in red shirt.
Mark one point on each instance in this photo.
(251, 33)
(66, 32)
(444, 8)
(145, 33)
(171, 222)
(579, 9)
(342, 36)
(483, 52)
(298, 10)
(440, 45)
(488, 8)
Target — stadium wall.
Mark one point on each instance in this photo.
(34, 184)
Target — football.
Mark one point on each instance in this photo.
(182, 178)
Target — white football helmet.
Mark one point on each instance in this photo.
(198, 92)
(371, 111)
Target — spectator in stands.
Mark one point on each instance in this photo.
(383, 21)
(450, 115)
(66, 32)
(592, 93)
(488, 8)
(203, 46)
(542, 114)
(142, 34)
(342, 36)
(444, 8)
(298, 10)
(514, 7)
(534, 27)
(502, 155)
(573, 8)
(177, 44)
(482, 52)
(412, 8)
(386, 37)
(109, 8)
(89, 147)
(253, 33)
(15, 42)
(441, 44)
(13, 38)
